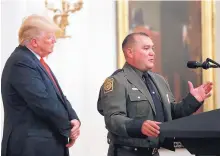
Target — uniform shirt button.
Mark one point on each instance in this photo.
(138, 97)
(135, 149)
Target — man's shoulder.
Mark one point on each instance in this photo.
(154, 74)
(115, 78)
(117, 75)
(157, 76)
(22, 56)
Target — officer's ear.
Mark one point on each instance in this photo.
(130, 52)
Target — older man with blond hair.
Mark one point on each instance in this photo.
(38, 119)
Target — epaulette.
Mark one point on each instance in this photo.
(117, 71)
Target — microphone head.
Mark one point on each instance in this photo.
(193, 64)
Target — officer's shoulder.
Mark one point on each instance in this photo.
(111, 80)
(154, 73)
(117, 73)
(157, 75)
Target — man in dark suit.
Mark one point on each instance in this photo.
(38, 119)
(134, 101)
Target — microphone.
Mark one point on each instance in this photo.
(204, 65)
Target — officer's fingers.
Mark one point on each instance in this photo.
(157, 122)
(152, 133)
(191, 87)
(209, 84)
(148, 132)
(208, 95)
(154, 130)
(154, 125)
(208, 89)
(149, 126)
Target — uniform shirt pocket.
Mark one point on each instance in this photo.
(140, 104)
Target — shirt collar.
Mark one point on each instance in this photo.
(139, 72)
(38, 57)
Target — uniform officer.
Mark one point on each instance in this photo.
(134, 101)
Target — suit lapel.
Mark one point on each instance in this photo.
(134, 79)
(54, 86)
(37, 61)
(60, 90)
(163, 95)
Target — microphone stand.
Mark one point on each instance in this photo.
(207, 65)
(212, 61)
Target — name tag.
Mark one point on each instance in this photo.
(134, 89)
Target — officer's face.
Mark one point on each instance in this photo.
(143, 54)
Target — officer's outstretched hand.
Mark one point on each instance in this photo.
(150, 128)
(202, 92)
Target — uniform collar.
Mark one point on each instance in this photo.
(137, 71)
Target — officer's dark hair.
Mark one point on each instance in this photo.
(130, 39)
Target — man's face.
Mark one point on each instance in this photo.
(143, 56)
(45, 44)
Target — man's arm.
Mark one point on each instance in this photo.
(28, 83)
(112, 102)
(71, 111)
(185, 107)
(192, 102)
(75, 123)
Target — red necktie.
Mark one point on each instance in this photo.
(49, 72)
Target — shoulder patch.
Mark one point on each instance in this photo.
(108, 85)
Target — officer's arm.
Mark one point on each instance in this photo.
(183, 108)
(113, 101)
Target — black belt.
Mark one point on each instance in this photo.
(146, 150)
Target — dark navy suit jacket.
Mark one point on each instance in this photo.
(37, 114)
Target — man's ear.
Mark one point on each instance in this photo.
(34, 43)
(129, 52)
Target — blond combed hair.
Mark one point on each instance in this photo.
(33, 25)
